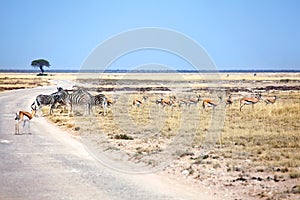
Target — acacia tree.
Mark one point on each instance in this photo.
(40, 63)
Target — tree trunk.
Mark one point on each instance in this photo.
(41, 68)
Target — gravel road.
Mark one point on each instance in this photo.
(52, 164)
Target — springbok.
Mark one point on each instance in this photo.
(228, 101)
(250, 101)
(181, 102)
(194, 101)
(210, 103)
(169, 102)
(138, 102)
(109, 102)
(270, 100)
(25, 117)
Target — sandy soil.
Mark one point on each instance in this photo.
(222, 175)
(46, 162)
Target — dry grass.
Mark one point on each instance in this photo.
(12, 81)
(260, 145)
(267, 134)
(8, 82)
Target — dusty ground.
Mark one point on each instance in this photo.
(45, 162)
(258, 156)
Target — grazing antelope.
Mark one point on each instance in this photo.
(159, 101)
(168, 102)
(210, 103)
(194, 101)
(25, 117)
(228, 101)
(109, 102)
(181, 102)
(138, 102)
(250, 101)
(270, 100)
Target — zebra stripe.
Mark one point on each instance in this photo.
(44, 100)
(63, 96)
(82, 98)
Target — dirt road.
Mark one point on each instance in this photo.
(52, 164)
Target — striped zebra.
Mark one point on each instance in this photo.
(64, 98)
(44, 100)
(81, 98)
(101, 100)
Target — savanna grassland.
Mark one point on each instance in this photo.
(12, 81)
(251, 154)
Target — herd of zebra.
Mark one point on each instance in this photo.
(79, 97)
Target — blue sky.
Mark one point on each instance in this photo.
(256, 34)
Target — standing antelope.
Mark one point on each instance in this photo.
(228, 101)
(25, 117)
(210, 103)
(250, 101)
(194, 101)
(138, 102)
(270, 100)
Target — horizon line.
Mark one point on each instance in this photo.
(147, 71)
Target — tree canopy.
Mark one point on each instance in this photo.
(40, 63)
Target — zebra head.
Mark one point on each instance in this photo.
(59, 89)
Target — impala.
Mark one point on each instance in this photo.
(25, 117)
(210, 103)
(270, 100)
(250, 101)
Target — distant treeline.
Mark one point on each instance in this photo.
(150, 71)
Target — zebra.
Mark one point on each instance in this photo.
(44, 100)
(100, 99)
(81, 97)
(63, 97)
(78, 97)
